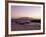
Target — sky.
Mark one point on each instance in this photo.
(25, 11)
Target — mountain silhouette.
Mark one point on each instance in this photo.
(24, 20)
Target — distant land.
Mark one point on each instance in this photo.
(25, 23)
(27, 18)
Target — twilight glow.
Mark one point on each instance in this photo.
(25, 11)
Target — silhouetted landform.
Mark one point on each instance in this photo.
(25, 23)
(36, 20)
(24, 20)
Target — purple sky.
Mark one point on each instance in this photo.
(25, 11)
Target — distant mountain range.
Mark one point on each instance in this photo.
(23, 20)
